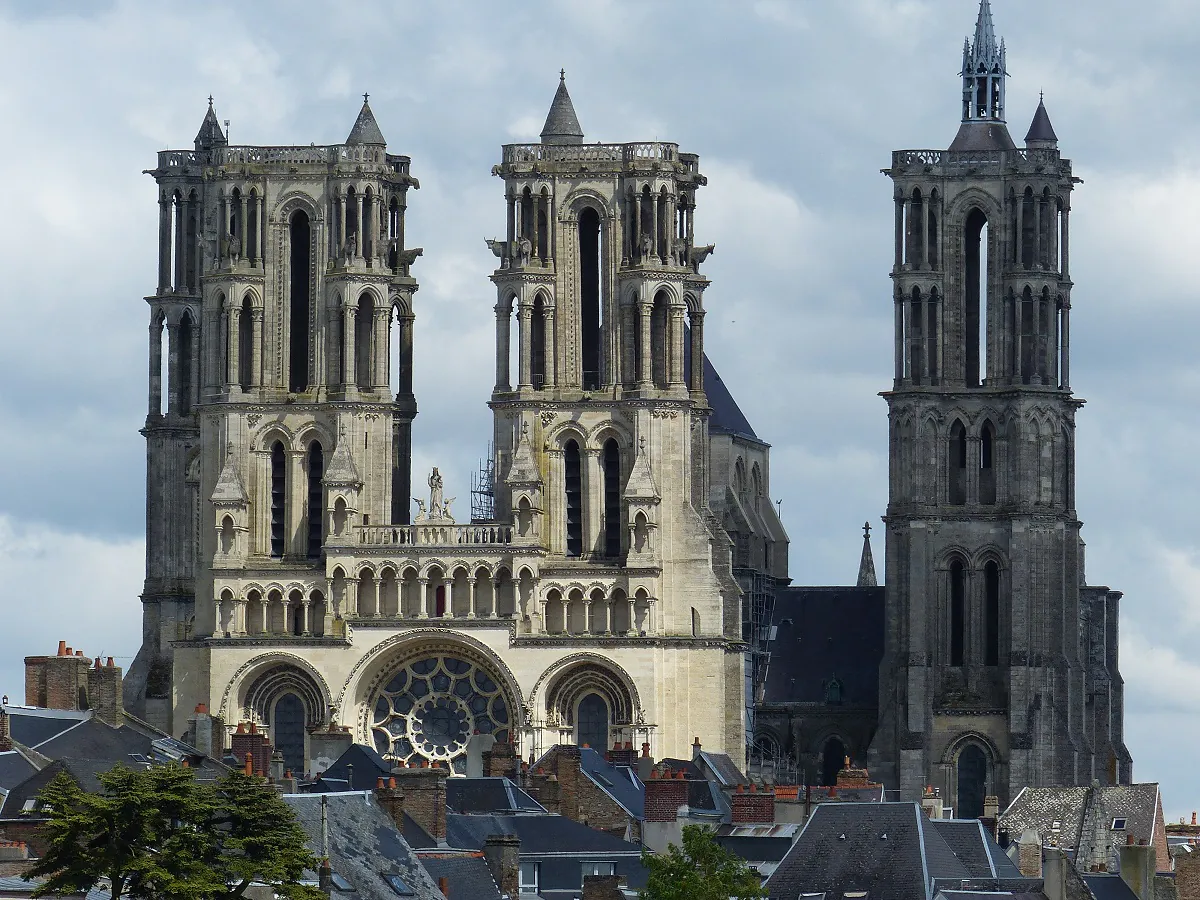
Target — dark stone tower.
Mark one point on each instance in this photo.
(1000, 667)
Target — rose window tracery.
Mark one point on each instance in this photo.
(430, 708)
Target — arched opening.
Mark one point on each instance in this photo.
(316, 500)
(288, 731)
(543, 229)
(592, 723)
(365, 245)
(660, 315)
(833, 757)
(227, 535)
(916, 230)
(183, 374)
(192, 247)
(991, 614)
(299, 613)
(253, 251)
(246, 345)
(957, 464)
(987, 464)
(931, 237)
(972, 782)
(612, 499)
(162, 344)
(1028, 229)
(916, 350)
(1046, 339)
(931, 336)
(573, 477)
(589, 296)
(537, 355)
(975, 316)
(527, 224)
(300, 239)
(1028, 355)
(278, 498)
(364, 342)
(958, 613)
(695, 622)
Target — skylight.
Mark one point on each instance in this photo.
(399, 885)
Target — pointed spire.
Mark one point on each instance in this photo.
(1041, 132)
(866, 564)
(366, 129)
(229, 487)
(524, 468)
(985, 31)
(640, 485)
(341, 469)
(983, 71)
(562, 125)
(210, 134)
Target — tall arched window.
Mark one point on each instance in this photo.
(987, 464)
(991, 614)
(278, 499)
(660, 315)
(931, 336)
(288, 728)
(916, 230)
(975, 240)
(931, 238)
(537, 340)
(1028, 354)
(916, 354)
(364, 342)
(1028, 228)
(972, 782)
(543, 229)
(589, 296)
(958, 613)
(300, 237)
(316, 500)
(183, 376)
(612, 499)
(246, 345)
(250, 246)
(573, 476)
(592, 725)
(957, 464)
(833, 757)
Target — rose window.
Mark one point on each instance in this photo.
(429, 709)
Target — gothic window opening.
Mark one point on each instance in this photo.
(975, 318)
(364, 340)
(972, 782)
(573, 477)
(235, 223)
(592, 723)
(160, 344)
(278, 499)
(931, 236)
(589, 296)
(1028, 313)
(366, 244)
(612, 499)
(991, 614)
(288, 731)
(931, 336)
(1065, 479)
(987, 464)
(660, 314)
(663, 231)
(537, 356)
(833, 757)
(543, 226)
(646, 222)
(253, 251)
(246, 345)
(915, 352)
(958, 613)
(1046, 214)
(1028, 234)
(351, 221)
(316, 500)
(527, 220)
(957, 464)
(300, 235)
(183, 375)
(915, 250)
(1045, 337)
(191, 273)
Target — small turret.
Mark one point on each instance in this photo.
(366, 129)
(562, 125)
(1041, 134)
(210, 134)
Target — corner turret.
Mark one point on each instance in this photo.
(1041, 134)
(562, 125)
(210, 134)
(366, 129)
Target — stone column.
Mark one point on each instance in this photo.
(243, 233)
(448, 594)
(503, 327)
(1035, 363)
(154, 407)
(925, 233)
(697, 350)
(628, 374)
(260, 228)
(899, 232)
(1065, 365)
(675, 374)
(233, 336)
(512, 224)
(306, 613)
(525, 317)
(1020, 237)
(351, 602)
(366, 225)
(256, 337)
(1065, 250)
(548, 333)
(349, 362)
(173, 368)
(382, 335)
(297, 499)
(645, 372)
(630, 619)
(423, 605)
(264, 608)
(593, 498)
(471, 588)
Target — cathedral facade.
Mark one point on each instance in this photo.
(288, 585)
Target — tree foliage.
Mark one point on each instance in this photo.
(702, 870)
(158, 832)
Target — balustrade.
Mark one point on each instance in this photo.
(435, 535)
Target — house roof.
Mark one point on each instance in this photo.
(31, 726)
(365, 847)
(823, 633)
(488, 795)
(621, 783)
(975, 848)
(1108, 887)
(1042, 808)
(468, 873)
(540, 834)
(980, 135)
(368, 767)
(14, 768)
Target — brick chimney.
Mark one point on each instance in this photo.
(13, 851)
(753, 807)
(666, 791)
(602, 887)
(5, 734)
(1029, 853)
(543, 787)
(503, 855)
(931, 803)
(104, 692)
(500, 761)
(645, 764)
(424, 792)
(1187, 875)
(248, 741)
(391, 800)
(59, 681)
(566, 767)
(623, 754)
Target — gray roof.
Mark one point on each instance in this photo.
(562, 125)
(1041, 129)
(981, 135)
(723, 768)
(488, 795)
(364, 845)
(1041, 808)
(366, 129)
(1108, 887)
(619, 782)
(468, 874)
(976, 848)
(14, 768)
(31, 726)
(210, 133)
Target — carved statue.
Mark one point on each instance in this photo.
(647, 247)
(235, 247)
(499, 248)
(435, 493)
(420, 507)
(446, 507)
(350, 248)
(524, 248)
(697, 255)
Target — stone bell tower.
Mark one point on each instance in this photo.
(1000, 665)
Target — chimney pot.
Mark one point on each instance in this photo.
(110, 663)
(753, 788)
(741, 789)
(241, 729)
(1193, 817)
(62, 648)
(444, 886)
(379, 783)
(79, 653)
(249, 764)
(392, 783)
(253, 728)
(646, 750)
(201, 708)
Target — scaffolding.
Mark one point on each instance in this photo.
(483, 488)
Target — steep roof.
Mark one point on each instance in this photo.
(366, 129)
(981, 135)
(488, 795)
(210, 133)
(468, 873)
(1040, 130)
(866, 562)
(562, 125)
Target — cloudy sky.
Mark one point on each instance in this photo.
(793, 106)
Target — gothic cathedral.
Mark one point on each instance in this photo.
(1000, 665)
(596, 598)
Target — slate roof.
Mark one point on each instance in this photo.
(823, 633)
(488, 795)
(723, 768)
(366, 129)
(30, 726)
(562, 124)
(1108, 887)
(975, 848)
(1041, 129)
(14, 768)
(621, 783)
(468, 874)
(364, 845)
(984, 136)
(368, 767)
(1040, 808)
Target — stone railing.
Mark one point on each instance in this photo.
(290, 156)
(433, 535)
(626, 153)
(958, 161)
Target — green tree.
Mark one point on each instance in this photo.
(702, 870)
(158, 833)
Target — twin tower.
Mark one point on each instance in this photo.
(612, 587)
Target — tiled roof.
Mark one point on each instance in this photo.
(619, 782)
(366, 129)
(14, 768)
(468, 874)
(488, 795)
(31, 726)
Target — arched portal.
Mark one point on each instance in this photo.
(833, 757)
(287, 727)
(592, 722)
(972, 782)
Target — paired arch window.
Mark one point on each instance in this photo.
(573, 476)
(316, 500)
(299, 307)
(985, 599)
(975, 312)
(278, 499)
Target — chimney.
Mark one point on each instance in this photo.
(500, 761)
(444, 886)
(696, 748)
(1029, 853)
(59, 681)
(424, 793)
(664, 795)
(567, 766)
(645, 764)
(202, 730)
(1055, 874)
(325, 878)
(503, 855)
(753, 807)
(623, 754)
(390, 800)
(247, 743)
(5, 734)
(931, 803)
(13, 851)
(104, 693)
(1187, 875)
(602, 887)
(1138, 865)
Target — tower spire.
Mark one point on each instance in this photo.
(562, 125)
(984, 71)
(866, 563)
